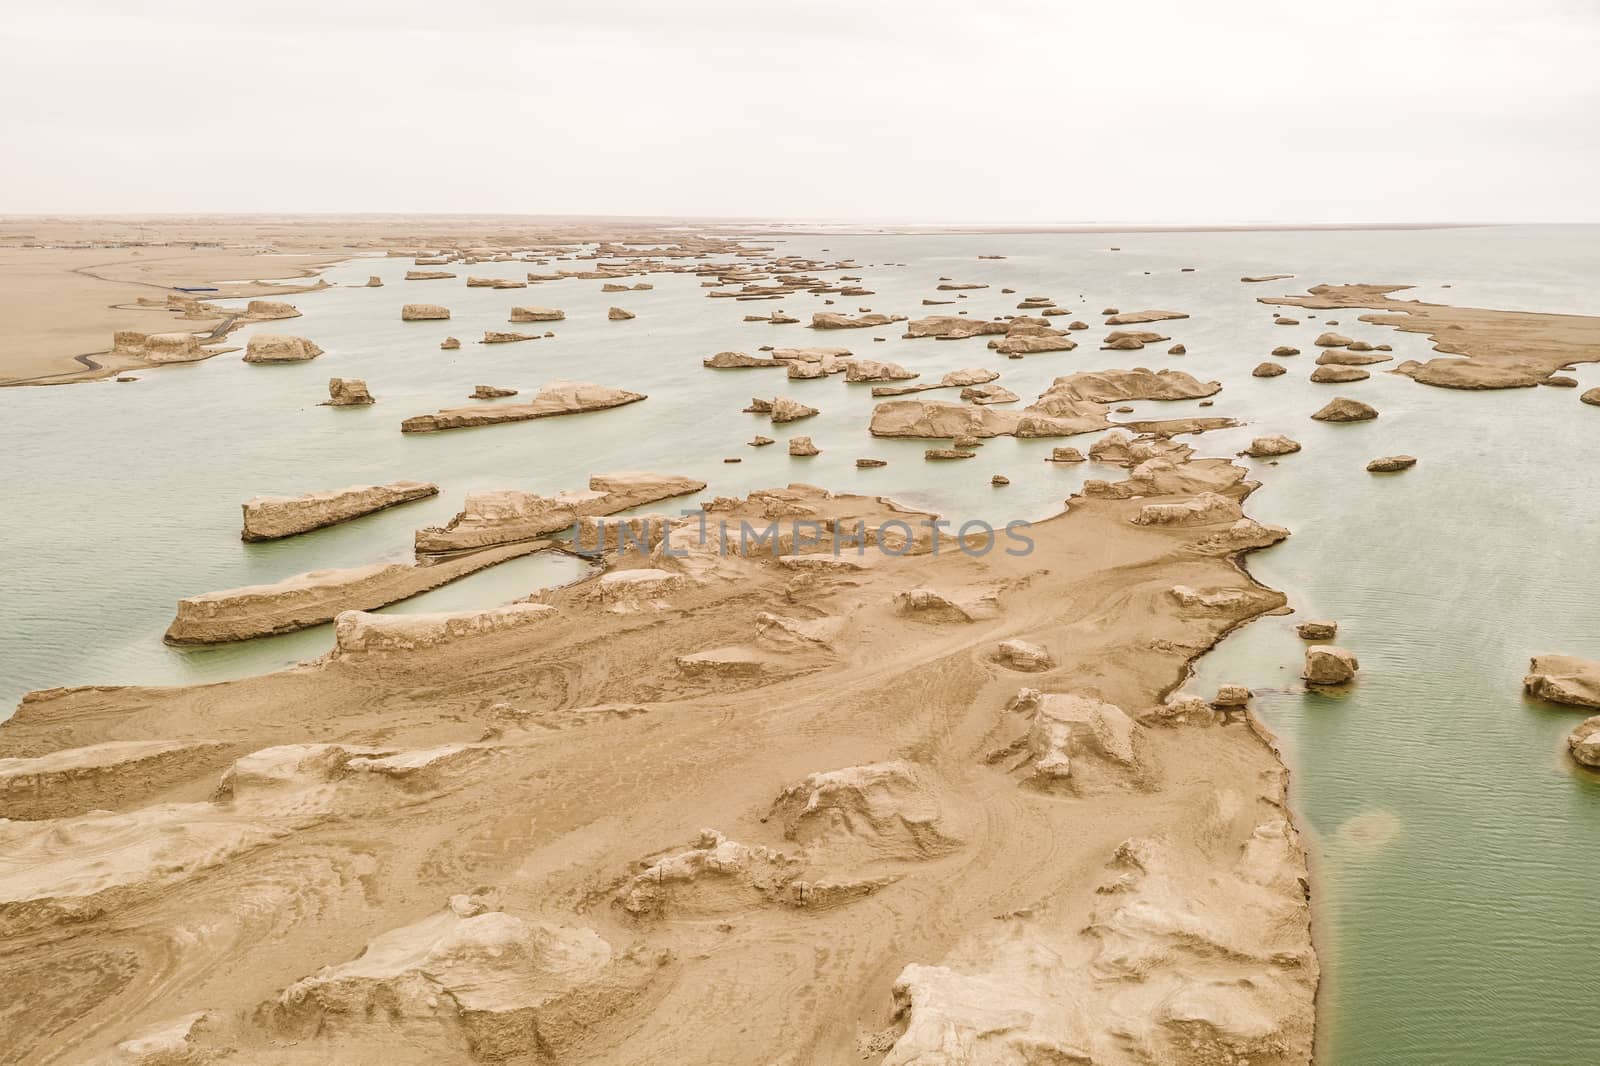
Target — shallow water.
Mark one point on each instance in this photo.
(1454, 839)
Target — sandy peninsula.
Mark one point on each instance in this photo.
(903, 806)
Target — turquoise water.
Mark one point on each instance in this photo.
(1454, 914)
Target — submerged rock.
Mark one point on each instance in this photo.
(1389, 464)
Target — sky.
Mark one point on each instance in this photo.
(1020, 111)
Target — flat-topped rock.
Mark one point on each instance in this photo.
(953, 326)
(279, 348)
(361, 633)
(1317, 630)
(554, 399)
(866, 370)
(1130, 318)
(159, 347)
(1346, 410)
(802, 446)
(1205, 509)
(268, 310)
(271, 517)
(428, 275)
(738, 360)
(318, 596)
(834, 320)
(1113, 386)
(510, 516)
(537, 314)
(348, 392)
(500, 336)
(423, 312)
(1564, 679)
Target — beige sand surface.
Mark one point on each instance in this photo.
(700, 808)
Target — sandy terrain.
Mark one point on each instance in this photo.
(814, 808)
(1483, 349)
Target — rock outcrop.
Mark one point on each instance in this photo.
(1204, 509)
(834, 320)
(553, 399)
(348, 392)
(509, 516)
(1268, 370)
(159, 347)
(428, 275)
(617, 314)
(1564, 679)
(1263, 447)
(1333, 340)
(1317, 630)
(423, 312)
(272, 517)
(1328, 665)
(802, 446)
(953, 327)
(317, 597)
(1591, 397)
(1338, 375)
(537, 314)
(279, 348)
(738, 360)
(269, 310)
(1390, 464)
(1584, 743)
(1345, 410)
(356, 632)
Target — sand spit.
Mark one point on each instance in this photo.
(318, 596)
(538, 849)
(555, 398)
(1482, 349)
(509, 516)
(271, 517)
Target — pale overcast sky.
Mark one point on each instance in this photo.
(895, 110)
